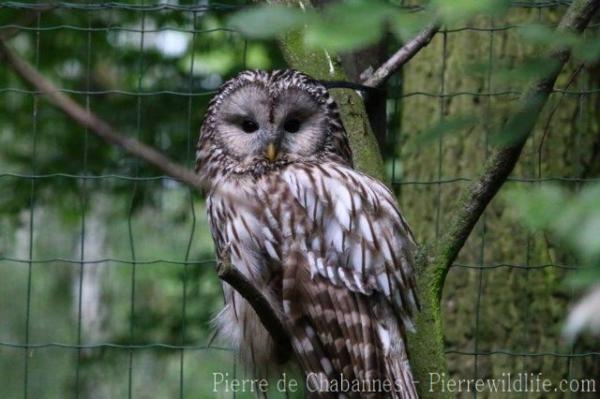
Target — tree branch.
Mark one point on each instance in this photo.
(401, 57)
(268, 315)
(502, 162)
(94, 123)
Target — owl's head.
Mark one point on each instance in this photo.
(260, 120)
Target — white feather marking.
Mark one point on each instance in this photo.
(344, 277)
(398, 298)
(271, 221)
(408, 324)
(364, 227)
(321, 267)
(316, 243)
(341, 196)
(287, 306)
(306, 345)
(335, 236)
(359, 283)
(327, 366)
(386, 251)
(384, 337)
(411, 298)
(331, 67)
(271, 250)
(398, 276)
(342, 213)
(356, 255)
(312, 262)
(331, 273)
(383, 282)
(286, 227)
(329, 315)
(267, 234)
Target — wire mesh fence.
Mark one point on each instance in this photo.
(91, 305)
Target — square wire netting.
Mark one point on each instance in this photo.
(106, 267)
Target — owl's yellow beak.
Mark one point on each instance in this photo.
(271, 152)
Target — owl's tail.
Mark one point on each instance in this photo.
(393, 350)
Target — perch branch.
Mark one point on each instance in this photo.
(261, 305)
(94, 123)
(401, 57)
(502, 162)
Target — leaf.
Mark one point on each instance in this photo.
(536, 208)
(268, 21)
(460, 10)
(406, 25)
(574, 220)
(588, 51)
(585, 277)
(446, 127)
(524, 71)
(349, 25)
(542, 34)
(579, 224)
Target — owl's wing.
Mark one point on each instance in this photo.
(348, 280)
(355, 236)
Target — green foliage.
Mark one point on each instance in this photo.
(451, 12)
(447, 126)
(573, 219)
(348, 25)
(340, 26)
(267, 21)
(584, 49)
(351, 24)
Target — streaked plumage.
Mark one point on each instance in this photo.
(326, 243)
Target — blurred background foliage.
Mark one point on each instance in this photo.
(99, 252)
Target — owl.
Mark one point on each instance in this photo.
(325, 243)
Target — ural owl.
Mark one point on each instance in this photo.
(325, 243)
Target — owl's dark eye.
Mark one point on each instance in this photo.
(291, 125)
(249, 126)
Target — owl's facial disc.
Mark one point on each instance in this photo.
(301, 122)
(256, 124)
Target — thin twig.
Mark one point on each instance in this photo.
(94, 123)
(401, 57)
(502, 162)
(268, 315)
